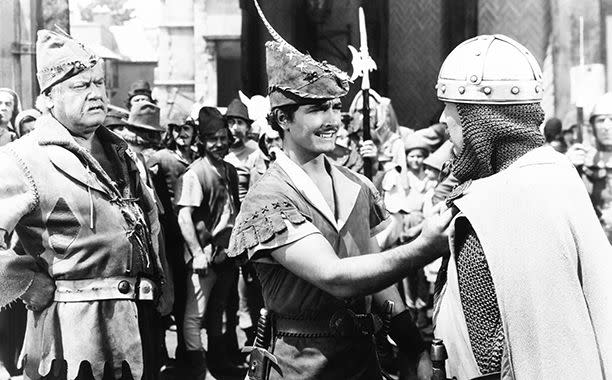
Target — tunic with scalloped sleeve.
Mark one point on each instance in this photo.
(284, 206)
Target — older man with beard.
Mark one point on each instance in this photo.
(92, 273)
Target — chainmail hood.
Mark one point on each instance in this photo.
(494, 136)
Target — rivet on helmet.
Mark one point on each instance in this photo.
(492, 69)
(461, 90)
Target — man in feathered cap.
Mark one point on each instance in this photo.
(308, 227)
(526, 291)
(207, 201)
(91, 271)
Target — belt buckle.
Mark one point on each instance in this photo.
(343, 323)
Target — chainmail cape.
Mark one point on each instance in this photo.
(493, 138)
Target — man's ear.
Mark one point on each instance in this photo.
(44, 102)
(282, 119)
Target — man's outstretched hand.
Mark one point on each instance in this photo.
(40, 293)
(435, 230)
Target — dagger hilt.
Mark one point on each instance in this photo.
(262, 322)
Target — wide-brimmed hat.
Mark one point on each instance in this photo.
(145, 115)
(114, 119)
(59, 57)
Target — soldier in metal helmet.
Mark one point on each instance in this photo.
(525, 289)
(595, 163)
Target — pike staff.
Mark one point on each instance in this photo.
(362, 65)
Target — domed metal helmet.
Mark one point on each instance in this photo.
(603, 106)
(490, 69)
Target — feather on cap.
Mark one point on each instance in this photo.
(297, 78)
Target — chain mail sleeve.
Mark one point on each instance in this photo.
(478, 299)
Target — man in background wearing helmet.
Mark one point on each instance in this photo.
(530, 268)
(596, 163)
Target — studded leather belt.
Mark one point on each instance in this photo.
(343, 323)
(98, 289)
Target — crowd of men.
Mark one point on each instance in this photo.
(114, 228)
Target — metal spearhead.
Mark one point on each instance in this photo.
(362, 62)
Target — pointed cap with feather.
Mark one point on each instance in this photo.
(296, 78)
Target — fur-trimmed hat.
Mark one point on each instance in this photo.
(59, 57)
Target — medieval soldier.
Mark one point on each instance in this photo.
(308, 226)
(596, 163)
(92, 272)
(526, 293)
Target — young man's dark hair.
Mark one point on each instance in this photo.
(288, 110)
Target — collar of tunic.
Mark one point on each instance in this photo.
(346, 190)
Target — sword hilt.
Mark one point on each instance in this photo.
(438, 359)
(262, 323)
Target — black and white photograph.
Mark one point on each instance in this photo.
(305, 190)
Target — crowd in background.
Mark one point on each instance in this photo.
(201, 169)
